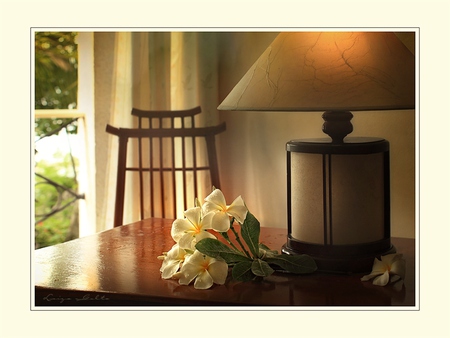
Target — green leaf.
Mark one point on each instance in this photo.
(214, 248)
(265, 251)
(261, 268)
(250, 230)
(300, 264)
(242, 271)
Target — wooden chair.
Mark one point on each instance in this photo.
(167, 146)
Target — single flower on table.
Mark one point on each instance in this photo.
(390, 269)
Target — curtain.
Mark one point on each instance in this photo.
(120, 106)
(176, 70)
(194, 74)
(194, 82)
(151, 70)
(160, 70)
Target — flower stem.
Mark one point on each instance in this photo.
(238, 239)
(227, 238)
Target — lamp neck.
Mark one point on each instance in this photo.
(337, 125)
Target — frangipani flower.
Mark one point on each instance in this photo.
(216, 205)
(204, 269)
(391, 268)
(172, 261)
(187, 232)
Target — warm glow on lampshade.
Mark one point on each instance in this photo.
(318, 71)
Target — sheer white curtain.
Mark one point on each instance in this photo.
(176, 70)
(194, 81)
(151, 70)
(194, 74)
(121, 104)
(159, 70)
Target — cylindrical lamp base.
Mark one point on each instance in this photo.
(339, 202)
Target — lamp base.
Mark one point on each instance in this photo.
(342, 259)
(339, 202)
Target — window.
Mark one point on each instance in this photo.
(63, 65)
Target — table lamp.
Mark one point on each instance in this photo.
(338, 187)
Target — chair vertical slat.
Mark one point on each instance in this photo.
(141, 178)
(120, 187)
(161, 173)
(151, 172)
(183, 165)
(174, 188)
(194, 163)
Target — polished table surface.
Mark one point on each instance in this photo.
(119, 267)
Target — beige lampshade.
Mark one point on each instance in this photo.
(318, 71)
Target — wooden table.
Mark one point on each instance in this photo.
(119, 267)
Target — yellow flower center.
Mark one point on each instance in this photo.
(205, 266)
(197, 228)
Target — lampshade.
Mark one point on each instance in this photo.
(338, 190)
(319, 71)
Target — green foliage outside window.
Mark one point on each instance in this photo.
(56, 82)
(56, 228)
(56, 76)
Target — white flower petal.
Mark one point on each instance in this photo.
(203, 281)
(187, 241)
(370, 276)
(196, 258)
(175, 253)
(382, 280)
(399, 267)
(207, 219)
(178, 275)
(170, 269)
(209, 207)
(218, 271)
(217, 198)
(378, 269)
(187, 257)
(379, 266)
(189, 272)
(194, 215)
(238, 210)
(179, 227)
(220, 222)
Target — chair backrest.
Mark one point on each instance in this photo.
(168, 151)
